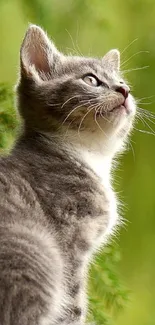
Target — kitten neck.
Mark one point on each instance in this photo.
(93, 152)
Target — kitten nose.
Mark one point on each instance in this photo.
(124, 90)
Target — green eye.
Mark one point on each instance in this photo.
(91, 81)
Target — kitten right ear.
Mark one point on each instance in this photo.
(37, 54)
(112, 60)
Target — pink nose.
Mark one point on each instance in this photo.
(124, 90)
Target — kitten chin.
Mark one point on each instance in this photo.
(103, 133)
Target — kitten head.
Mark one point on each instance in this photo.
(83, 98)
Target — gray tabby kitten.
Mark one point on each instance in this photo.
(56, 202)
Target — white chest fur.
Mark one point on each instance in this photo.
(99, 164)
(101, 167)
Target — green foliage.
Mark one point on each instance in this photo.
(107, 295)
(8, 118)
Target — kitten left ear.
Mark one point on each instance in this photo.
(112, 59)
(37, 53)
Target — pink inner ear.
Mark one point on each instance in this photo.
(35, 51)
(39, 57)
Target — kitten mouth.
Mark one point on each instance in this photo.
(116, 108)
(123, 106)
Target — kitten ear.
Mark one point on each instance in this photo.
(37, 53)
(112, 59)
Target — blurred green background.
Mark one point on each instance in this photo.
(93, 27)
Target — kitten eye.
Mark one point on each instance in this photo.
(91, 81)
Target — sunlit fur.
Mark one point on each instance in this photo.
(57, 206)
(91, 121)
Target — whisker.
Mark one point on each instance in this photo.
(73, 110)
(136, 39)
(106, 119)
(83, 118)
(76, 49)
(82, 103)
(56, 104)
(147, 103)
(139, 117)
(139, 52)
(152, 131)
(135, 69)
(77, 35)
(65, 135)
(146, 97)
(99, 124)
(134, 157)
(144, 131)
(81, 54)
(145, 112)
(148, 115)
(145, 116)
(71, 51)
(149, 119)
(68, 100)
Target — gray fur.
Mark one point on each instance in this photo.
(54, 209)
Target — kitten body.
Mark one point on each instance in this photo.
(56, 202)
